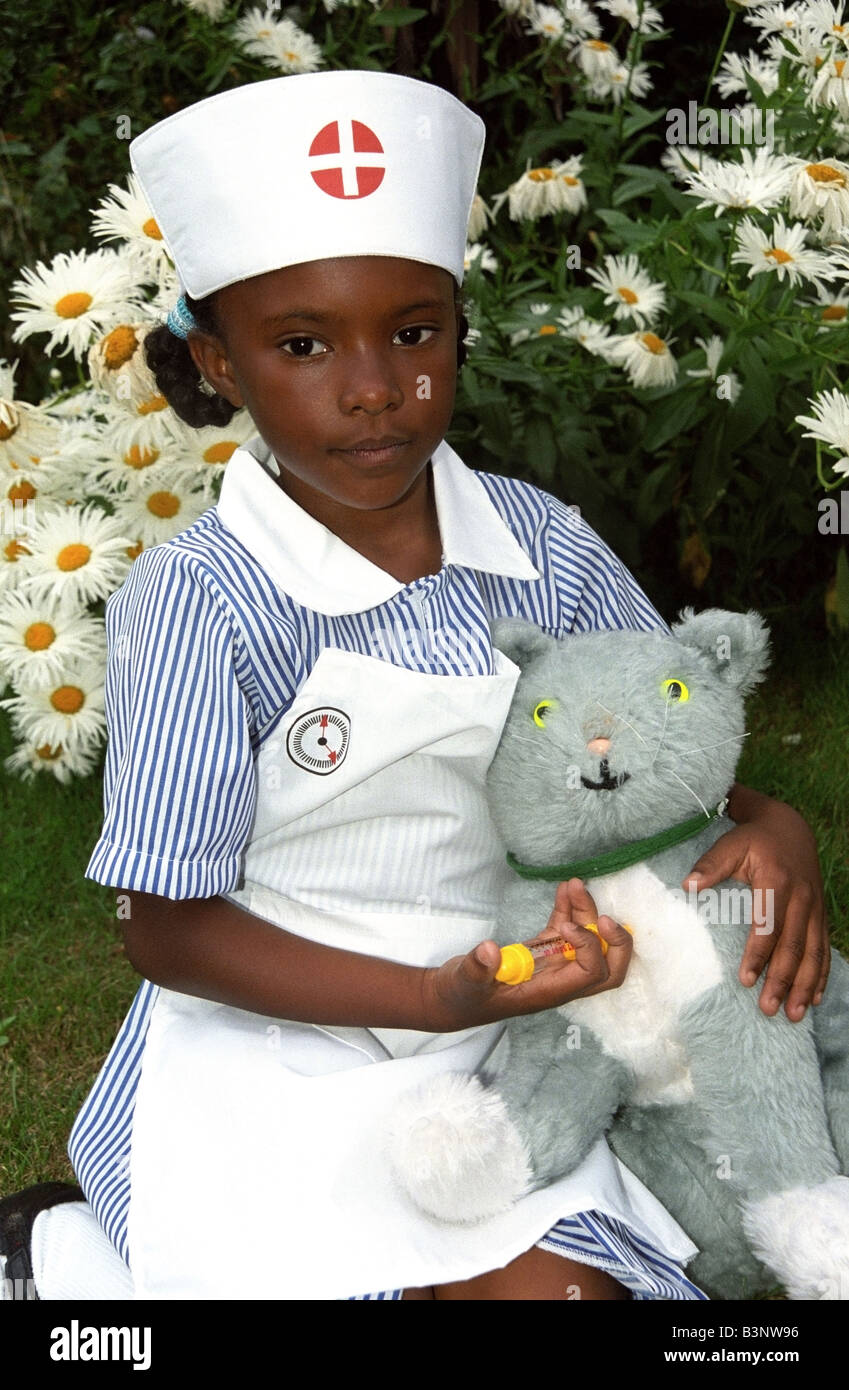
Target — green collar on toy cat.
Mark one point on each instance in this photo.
(621, 858)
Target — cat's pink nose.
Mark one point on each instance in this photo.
(598, 745)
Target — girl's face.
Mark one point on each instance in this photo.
(348, 368)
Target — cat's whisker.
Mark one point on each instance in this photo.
(690, 790)
(662, 734)
(622, 719)
(684, 751)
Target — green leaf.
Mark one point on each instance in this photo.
(671, 416)
(653, 498)
(715, 309)
(541, 451)
(640, 119)
(396, 17)
(631, 234)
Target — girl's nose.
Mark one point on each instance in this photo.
(372, 385)
(598, 745)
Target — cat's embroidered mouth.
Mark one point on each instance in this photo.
(606, 783)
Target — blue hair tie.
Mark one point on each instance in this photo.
(181, 320)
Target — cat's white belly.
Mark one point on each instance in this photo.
(674, 961)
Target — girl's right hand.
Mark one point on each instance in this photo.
(464, 993)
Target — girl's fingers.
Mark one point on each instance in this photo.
(572, 903)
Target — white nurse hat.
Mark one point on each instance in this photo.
(303, 168)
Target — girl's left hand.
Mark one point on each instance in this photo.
(774, 851)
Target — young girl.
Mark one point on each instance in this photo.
(303, 701)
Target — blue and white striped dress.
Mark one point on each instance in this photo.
(206, 654)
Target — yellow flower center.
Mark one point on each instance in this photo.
(293, 57)
(119, 346)
(39, 636)
(138, 457)
(567, 178)
(838, 28)
(628, 295)
(548, 328)
(7, 430)
(67, 699)
(834, 313)
(151, 229)
(780, 257)
(540, 175)
(155, 403)
(134, 551)
(839, 64)
(70, 306)
(13, 550)
(21, 492)
(599, 45)
(653, 343)
(163, 504)
(220, 452)
(49, 754)
(73, 557)
(825, 173)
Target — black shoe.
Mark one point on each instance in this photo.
(17, 1214)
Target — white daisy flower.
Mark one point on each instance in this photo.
(117, 365)
(80, 294)
(831, 86)
(734, 68)
(548, 22)
(279, 43)
(629, 289)
(126, 216)
(573, 194)
(148, 422)
(63, 763)
(479, 219)
(781, 251)
(206, 451)
(159, 510)
(593, 336)
(582, 19)
(650, 21)
(681, 160)
(14, 530)
(713, 349)
(758, 181)
(646, 359)
(539, 192)
(776, 19)
(617, 82)
(26, 431)
(827, 19)
(213, 9)
(75, 552)
(477, 253)
(830, 423)
(40, 637)
(596, 59)
(821, 190)
(68, 712)
(833, 307)
(522, 8)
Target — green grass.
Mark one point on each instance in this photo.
(67, 985)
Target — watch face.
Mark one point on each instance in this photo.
(318, 740)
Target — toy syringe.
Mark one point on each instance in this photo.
(520, 959)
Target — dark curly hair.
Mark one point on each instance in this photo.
(179, 380)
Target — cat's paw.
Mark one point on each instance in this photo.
(456, 1151)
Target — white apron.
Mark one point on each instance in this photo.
(257, 1168)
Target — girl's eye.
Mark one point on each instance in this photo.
(675, 690)
(412, 337)
(303, 347)
(541, 710)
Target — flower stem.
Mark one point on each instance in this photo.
(718, 59)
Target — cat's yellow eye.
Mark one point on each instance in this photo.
(675, 691)
(540, 711)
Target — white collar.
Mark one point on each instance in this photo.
(320, 571)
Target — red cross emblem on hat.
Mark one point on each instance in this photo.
(347, 159)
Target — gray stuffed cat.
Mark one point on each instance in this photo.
(613, 767)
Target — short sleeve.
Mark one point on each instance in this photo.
(597, 592)
(179, 781)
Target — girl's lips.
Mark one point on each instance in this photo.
(375, 451)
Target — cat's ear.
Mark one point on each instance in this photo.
(519, 640)
(736, 643)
